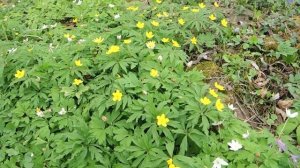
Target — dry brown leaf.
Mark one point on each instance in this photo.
(263, 92)
(285, 104)
(281, 113)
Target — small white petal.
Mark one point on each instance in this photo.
(246, 135)
(117, 16)
(119, 37)
(160, 58)
(62, 111)
(234, 145)
(40, 114)
(290, 114)
(44, 27)
(189, 64)
(231, 107)
(111, 5)
(219, 162)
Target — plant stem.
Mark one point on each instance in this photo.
(283, 128)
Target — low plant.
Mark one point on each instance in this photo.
(96, 84)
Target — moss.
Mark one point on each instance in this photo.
(209, 68)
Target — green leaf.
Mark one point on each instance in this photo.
(98, 129)
(183, 146)
(12, 152)
(170, 148)
(298, 134)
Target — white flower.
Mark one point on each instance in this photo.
(246, 135)
(189, 64)
(54, 25)
(12, 50)
(217, 123)
(40, 114)
(31, 155)
(25, 40)
(81, 41)
(145, 92)
(62, 111)
(51, 47)
(119, 37)
(234, 145)
(111, 5)
(231, 107)
(159, 58)
(44, 27)
(117, 16)
(290, 114)
(78, 2)
(219, 162)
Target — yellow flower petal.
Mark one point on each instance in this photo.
(162, 120)
(218, 86)
(77, 82)
(205, 101)
(154, 73)
(140, 25)
(117, 95)
(224, 22)
(194, 40)
(78, 63)
(20, 74)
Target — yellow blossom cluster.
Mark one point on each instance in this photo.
(218, 104)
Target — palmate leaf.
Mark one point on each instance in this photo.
(97, 129)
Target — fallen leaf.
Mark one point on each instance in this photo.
(285, 104)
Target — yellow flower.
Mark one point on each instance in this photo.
(202, 5)
(98, 40)
(69, 36)
(78, 63)
(117, 95)
(224, 22)
(77, 82)
(175, 44)
(155, 23)
(216, 4)
(166, 14)
(159, 15)
(133, 8)
(212, 17)
(149, 35)
(213, 93)
(172, 166)
(194, 40)
(218, 86)
(185, 8)
(170, 161)
(219, 105)
(150, 44)
(127, 41)
(140, 25)
(181, 21)
(165, 40)
(162, 120)
(38, 110)
(113, 49)
(20, 74)
(158, 1)
(154, 73)
(75, 20)
(195, 10)
(205, 101)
